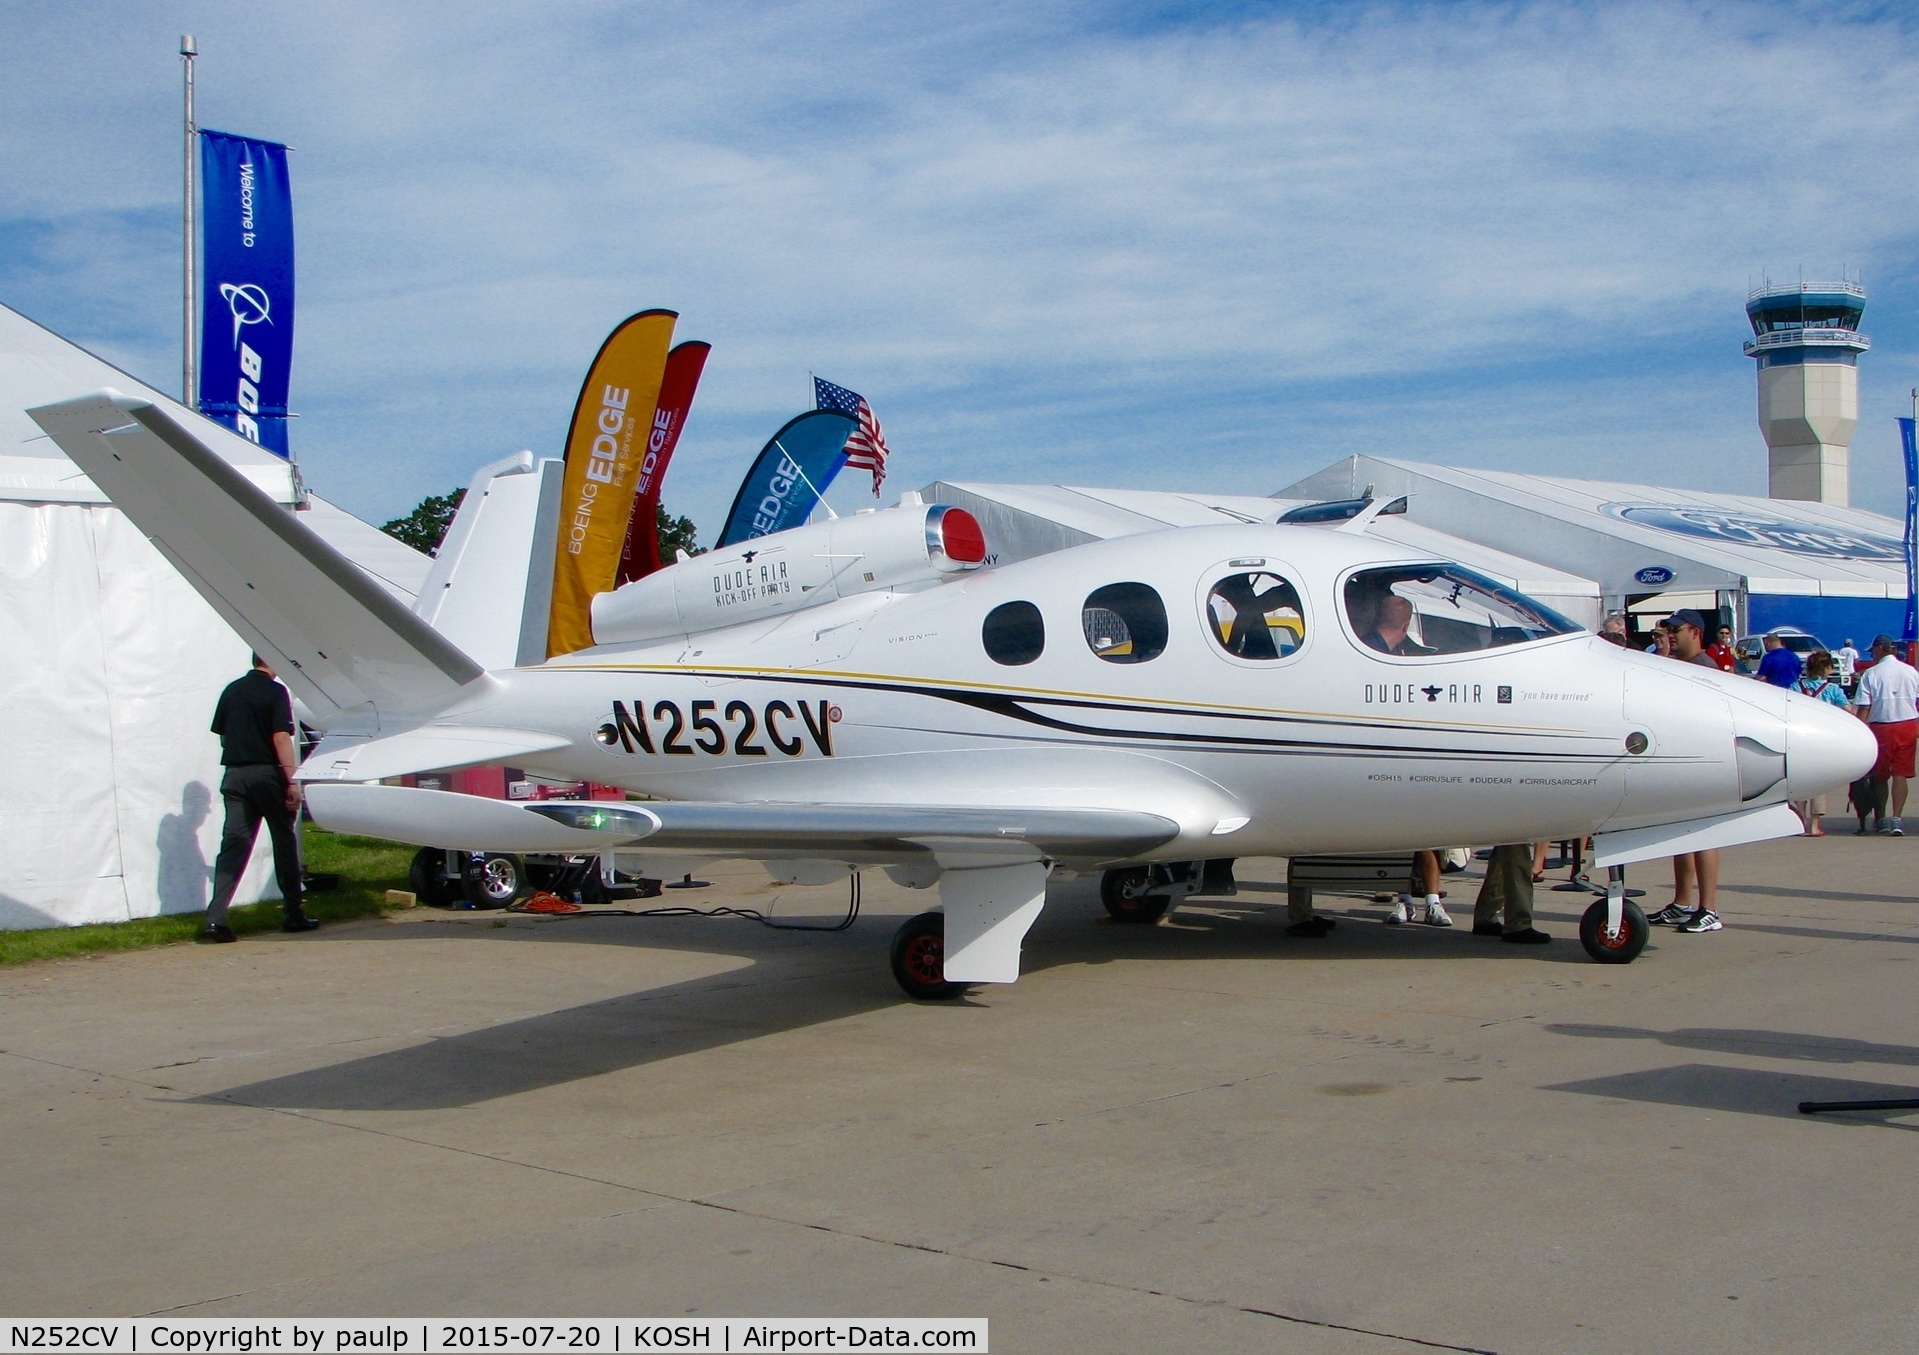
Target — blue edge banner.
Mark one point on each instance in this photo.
(1912, 531)
(790, 477)
(246, 287)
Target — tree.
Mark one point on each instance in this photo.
(426, 525)
(677, 534)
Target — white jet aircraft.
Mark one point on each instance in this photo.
(874, 692)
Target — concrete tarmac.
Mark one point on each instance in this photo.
(1193, 1137)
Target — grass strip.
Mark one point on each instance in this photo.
(367, 868)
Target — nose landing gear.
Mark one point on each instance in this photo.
(1614, 930)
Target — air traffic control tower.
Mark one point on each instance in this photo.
(1807, 342)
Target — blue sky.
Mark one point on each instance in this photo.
(1199, 247)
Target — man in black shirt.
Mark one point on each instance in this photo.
(255, 723)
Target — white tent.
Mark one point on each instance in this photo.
(110, 665)
(1830, 570)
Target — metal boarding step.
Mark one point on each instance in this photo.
(1349, 873)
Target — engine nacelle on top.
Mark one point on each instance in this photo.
(790, 570)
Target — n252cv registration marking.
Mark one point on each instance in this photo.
(709, 727)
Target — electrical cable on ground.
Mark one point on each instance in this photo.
(765, 919)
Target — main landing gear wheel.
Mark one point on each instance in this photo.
(1634, 931)
(494, 880)
(427, 875)
(919, 958)
(1124, 894)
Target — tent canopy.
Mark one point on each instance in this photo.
(38, 367)
(1635, 539)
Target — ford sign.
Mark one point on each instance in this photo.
(1654, 575)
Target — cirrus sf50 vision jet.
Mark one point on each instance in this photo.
(874, 692)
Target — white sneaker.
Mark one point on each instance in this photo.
(1398, 915)
(1436, 914)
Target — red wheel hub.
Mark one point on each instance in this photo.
(926, 959)
(1619, 942)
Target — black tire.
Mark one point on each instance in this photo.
(427, 875)
(1120, 890)
(493, 879)
(919, 959)
(1634, 931)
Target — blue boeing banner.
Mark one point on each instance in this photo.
(246, 286)
(1912, 532)
(790, 477)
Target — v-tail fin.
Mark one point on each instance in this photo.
(349, 649)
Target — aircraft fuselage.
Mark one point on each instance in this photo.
(1316, 743)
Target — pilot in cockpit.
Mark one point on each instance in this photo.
(1389, 632)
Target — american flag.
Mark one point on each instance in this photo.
(866, 446)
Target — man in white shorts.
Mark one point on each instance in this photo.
(1888, 701)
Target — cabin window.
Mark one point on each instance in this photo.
(1413, 610)
(1256, 615)
(1014, 633)
(1124, 623)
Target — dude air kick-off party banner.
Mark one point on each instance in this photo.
(604, 452)
(246, 293)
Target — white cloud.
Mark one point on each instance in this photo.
(1044, 249)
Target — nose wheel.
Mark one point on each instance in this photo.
(1614, 930)
(919, 959)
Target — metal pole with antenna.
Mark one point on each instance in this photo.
(189, 293)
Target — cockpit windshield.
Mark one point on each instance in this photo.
(1413, 610)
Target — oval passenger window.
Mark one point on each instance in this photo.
(1256, 615)
(1124, 623)
(1014, 633)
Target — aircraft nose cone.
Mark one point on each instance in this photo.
(1827, 749)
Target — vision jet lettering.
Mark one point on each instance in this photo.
(1146, 707)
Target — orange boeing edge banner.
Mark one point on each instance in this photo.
(604, 449)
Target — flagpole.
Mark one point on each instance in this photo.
(819, 499)
(189, 307)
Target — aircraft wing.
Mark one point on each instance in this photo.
(354, 653)
(954, 836)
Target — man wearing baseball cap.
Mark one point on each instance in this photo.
(1692, 868)
(1888, 701)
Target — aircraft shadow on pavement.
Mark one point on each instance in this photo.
(577, 1042)
(1771, 1044)
(1748, 1091)
(792, 981)
(1832, 895)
